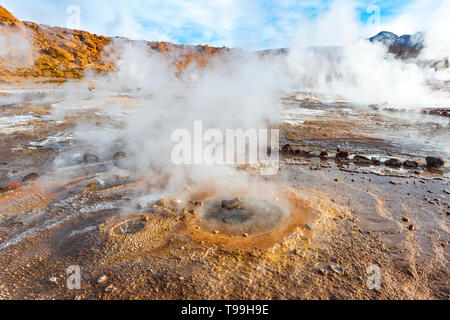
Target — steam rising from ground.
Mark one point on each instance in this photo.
(16, 49)
(240, 89)
(237, 90)
(365, 73)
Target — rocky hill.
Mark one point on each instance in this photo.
(405, 46)
(61, 53)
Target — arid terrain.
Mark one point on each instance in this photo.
(354, 191)
(344, 216)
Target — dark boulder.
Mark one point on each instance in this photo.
(435, 162)
(393, 162)
(342, 155)
(410, 164)
(375, 161)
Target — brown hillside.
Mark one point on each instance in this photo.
(63, 53)
(6, 16)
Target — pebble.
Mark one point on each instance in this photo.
(181, 278)
(102, 279)
(342, 154)
(119, 155)
(110, 288)
(434, 162)
(410, 164)
(321, 271)
(90, 157)
(309, 226)
(393, 162)
(336, 269)
(30, 177)
(53, 279)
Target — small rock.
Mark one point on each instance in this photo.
(361, 159)
(30, 177)
(393, 162)
(435, 162)
(375, 161)
(287, 149)
(245, 234)
(53, 279)
(324, 154)
(110, 288)
(336, 269)
(102, 279)
(410, 164)
(309, 226)
(90, 157)
(321, 271)
(405, 219)
(119, 155)
(411, 227)
(181, 278)
(342, 154)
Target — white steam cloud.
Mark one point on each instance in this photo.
(329, 57)
(16, 49)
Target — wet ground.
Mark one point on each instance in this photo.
(312, 231)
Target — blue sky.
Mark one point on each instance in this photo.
(248, 24)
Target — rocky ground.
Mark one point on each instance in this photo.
(341, 218)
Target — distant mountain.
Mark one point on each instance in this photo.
(390, 39)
